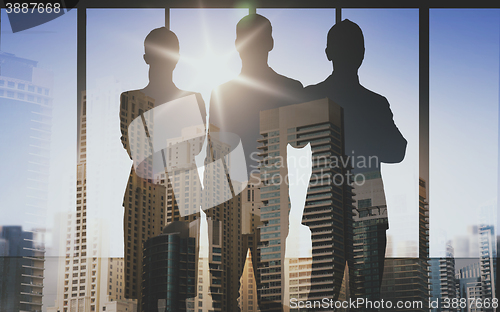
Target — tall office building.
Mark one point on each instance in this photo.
(209, 266)
(77, 284)
(328, 208)
(114, 280)
(182, 277)
(487, 263)
(370, 226)
(407, 279)
(298, 281)
(209, 274)
(85, 277)
(442, 279)
(480, 282)
(248, 287)
(469, 286)
(169, 268)
(21, 271)
(250, 235)
(144, 201)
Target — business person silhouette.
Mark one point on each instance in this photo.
(235, 105)
(370, 131)
(143, 196)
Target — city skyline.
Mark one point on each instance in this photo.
(207, 43)
(64, 67)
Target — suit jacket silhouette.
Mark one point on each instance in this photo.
(371, 136)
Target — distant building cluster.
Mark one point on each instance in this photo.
(470, 287)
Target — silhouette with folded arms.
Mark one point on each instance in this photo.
(370, 131)
(235, 105)
(161, 54)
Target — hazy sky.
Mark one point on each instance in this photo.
(53, 46)
(464, 69)
(464, 94)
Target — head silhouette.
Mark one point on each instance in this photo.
(253, 38)
(345, 46)
(161, 49)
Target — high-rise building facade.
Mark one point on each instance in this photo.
(87, 280)
(209, 269)
(442, 279)
(370, 225)
(407, 279)
(298, 281)
(169, 268)
(21, 271)
(248, 287)
(328, 207)
(487, 263)
(79, 253)
(469, 286)
(250, 235)
(144, 201)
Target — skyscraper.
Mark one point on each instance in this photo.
(487, 263)
(143, 202)
(77, 284)
(250, 235)
(248, 287)
(169, 269)
(21, 271)
(298, 282)
(85, 277)
(442, 278)
(328, 208)
(407, 279)
(370, 224)
(469, 286)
